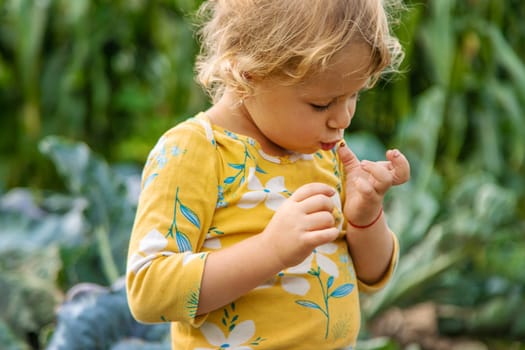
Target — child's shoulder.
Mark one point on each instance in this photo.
(193, 130)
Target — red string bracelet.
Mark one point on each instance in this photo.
(370, 224)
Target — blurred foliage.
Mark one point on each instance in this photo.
(114, 74)
(99, 318)
(108, 77)
(461, 218)
(53, 242)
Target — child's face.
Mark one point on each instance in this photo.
(312, 115)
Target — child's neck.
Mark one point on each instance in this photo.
(229, 113)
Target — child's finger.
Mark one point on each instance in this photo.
(319, 221)
(381, 174)
(312, 189)
(348, 158)
(317, 203)
(386, 164)
(400, 166)
(319, 237)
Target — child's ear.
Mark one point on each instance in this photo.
(246, 76)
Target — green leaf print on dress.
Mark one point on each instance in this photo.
(183, 243)
(319, 261)
(237, 335)
(192, 304)
(341, 291)
(212, 241)
(337, 172)
(232, 182)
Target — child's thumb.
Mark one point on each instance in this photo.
(400, 165)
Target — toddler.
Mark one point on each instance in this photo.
(257, 227)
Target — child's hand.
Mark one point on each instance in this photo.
(367, 182)
(303, 222)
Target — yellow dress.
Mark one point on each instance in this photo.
(205, 188)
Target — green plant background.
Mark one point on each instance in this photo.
(87, 87)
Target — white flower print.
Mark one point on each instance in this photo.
(188, 256)
(212, 243)
(150, 246)
(292, 284)
(158, 153)
(324, 262)
(153, 242)
(242, 333)
(295, 285)
(271, 194)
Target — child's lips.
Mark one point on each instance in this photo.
(326, 146)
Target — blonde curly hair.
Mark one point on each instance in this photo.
(246, 40)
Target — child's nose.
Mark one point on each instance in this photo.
(342, 116)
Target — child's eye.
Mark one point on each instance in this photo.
(320, 108)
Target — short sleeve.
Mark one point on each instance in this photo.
(176, 205)
(367, 288)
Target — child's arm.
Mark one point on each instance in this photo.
(303, 222)
(175, 209)
(370, 240)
